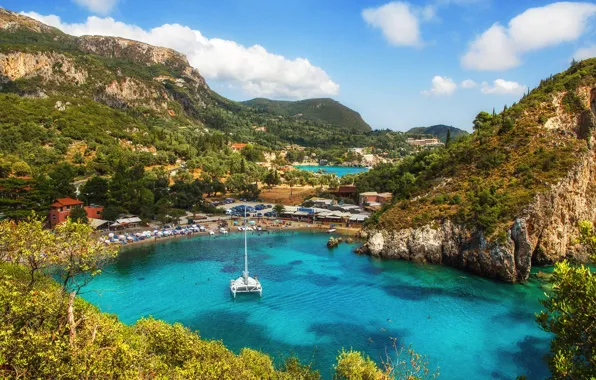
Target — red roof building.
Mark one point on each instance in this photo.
(237, 147)
(60, 210)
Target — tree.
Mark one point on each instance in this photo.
(279, 209)
(272, 178)
(25, 244)
(448, 138)
(482, 121)
(60, 181)
(5, 169)
(95, 191)
(111, 212)
(21, 169)
(79, 215)
(570, 315)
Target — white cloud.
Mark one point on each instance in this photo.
(441, 86)
(503, 87)
(102, 7)
(398, 21)
(585, 53)
(254, 69)
(468, 83)
(501, 48)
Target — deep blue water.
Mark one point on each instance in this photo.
(337, 170)
(317, 301)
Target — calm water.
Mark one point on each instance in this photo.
(317, 301)
(337, 170)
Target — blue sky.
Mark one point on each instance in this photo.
(400, 64)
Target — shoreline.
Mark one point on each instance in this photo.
(295, 226)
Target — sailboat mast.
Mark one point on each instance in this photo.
(245, 249)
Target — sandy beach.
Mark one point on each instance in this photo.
(267, 225)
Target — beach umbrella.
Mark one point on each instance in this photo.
(111, 234)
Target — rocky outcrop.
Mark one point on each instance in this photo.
(543, 233)
(49, 66)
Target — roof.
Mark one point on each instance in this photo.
(95, 223)
(128, 220)
(385, 195)
(60, 202)
(238, 146)
(369, 193)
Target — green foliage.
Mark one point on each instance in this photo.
(569, 315)
(79, 215)
(21, 169)
(279, 209)
(572, 102)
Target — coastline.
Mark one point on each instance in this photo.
(294, 226)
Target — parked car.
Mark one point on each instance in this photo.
(259, 207)
(259, 215)
(269, 206)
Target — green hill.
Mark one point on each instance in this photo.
(439, 130)
(505, 197)
(98, 100)
(325, 110)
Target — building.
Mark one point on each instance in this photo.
(322, 202)
(130, 221)
(237, 147)
(61, 208)
(373, 199)
(346, 191)
(425, 143)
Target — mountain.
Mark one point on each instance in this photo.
(507, 197)
(94, 101)
(439, 130)
(325, 110)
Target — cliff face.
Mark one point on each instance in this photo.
(115, 71)
(543, 233)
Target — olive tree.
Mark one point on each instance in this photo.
(571, 315)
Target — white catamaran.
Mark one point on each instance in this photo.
(245, 283)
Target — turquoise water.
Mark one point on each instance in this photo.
(337, 170)
(317, 301)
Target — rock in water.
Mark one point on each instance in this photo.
(332, 242)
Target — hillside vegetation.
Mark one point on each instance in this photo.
(111, 98)
(486, 179)
(327, 111)
(440, 131)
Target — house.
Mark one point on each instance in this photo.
(129, 221)
(425, 143)
(322, 202)
(237, 147)
(346, 191)
(374, 199)
(61, 208)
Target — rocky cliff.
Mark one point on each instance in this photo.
(39, 60)
(542, 233)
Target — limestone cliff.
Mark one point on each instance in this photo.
(541, 233)
(39, 60)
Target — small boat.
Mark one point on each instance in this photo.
(211, 233)
(331, 230)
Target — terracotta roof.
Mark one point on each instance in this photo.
(238, 146)
(66, 202)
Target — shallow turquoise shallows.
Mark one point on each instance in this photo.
(316, 301)
(337, 170)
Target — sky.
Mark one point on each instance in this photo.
(399, 64)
